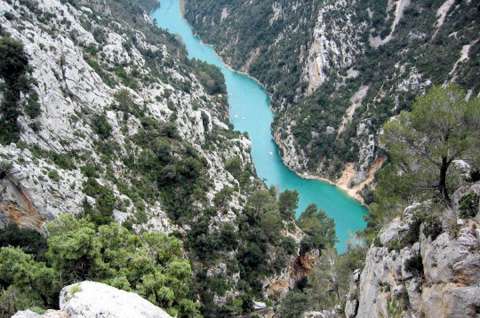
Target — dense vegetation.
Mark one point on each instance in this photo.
(210, 77)
(262, 248)
(326, 286)
(14, 80)
(251, 22)
(150, 264)
(328, 280)
(441, 128)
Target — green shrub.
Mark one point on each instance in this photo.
(210, 77)
(90, 170)
(126, 79)
(469, 205)
(53, 174)
(288, 203)
(13, 70)
(294, 304)
(150, 264)
(33, 107)
(234, 166)
(127, 104)
(100, 71)
(319, 229)
(63, 160)
(28, 240)
(25, 282)
(105, 200)
(101, 126)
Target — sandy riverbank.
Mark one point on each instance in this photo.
(348, 174)
(182, 7)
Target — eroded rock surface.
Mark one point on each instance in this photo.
(422, 266)
(89, 299)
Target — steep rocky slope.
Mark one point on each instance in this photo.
(88, 71)
(125, 125)
(423, 264)
(338, 70)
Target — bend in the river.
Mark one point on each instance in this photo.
(250, 112)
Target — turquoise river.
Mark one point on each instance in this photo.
(250, 112)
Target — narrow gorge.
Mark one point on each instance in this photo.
(250, 112)
(239, 158)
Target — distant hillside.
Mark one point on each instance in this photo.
(339, 69)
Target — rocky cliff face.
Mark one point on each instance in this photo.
(90, 299)
(339, 69)
(424, 264)
(85, 66)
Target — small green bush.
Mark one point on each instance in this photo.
(33, 108)
(101, 126)
(105, 200)
(469, 204)
(53, 174)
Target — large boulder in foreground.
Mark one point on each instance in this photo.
(92, 300)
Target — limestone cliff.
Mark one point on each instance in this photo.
(424, 264)
(87, 66)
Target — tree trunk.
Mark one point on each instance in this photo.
(442, 184)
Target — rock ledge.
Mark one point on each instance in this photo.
(90, 299)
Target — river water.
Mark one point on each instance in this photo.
(250, 112)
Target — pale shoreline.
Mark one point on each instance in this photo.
(350, 192)
(347, 175)
(182, 8)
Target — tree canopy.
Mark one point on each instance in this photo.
(422, 144)
(150, 264)
(288, 203)
(13, 71)
(318, 227)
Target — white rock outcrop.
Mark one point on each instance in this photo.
(96, 300)
(335, 45)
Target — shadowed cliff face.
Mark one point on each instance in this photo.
(339, 69)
